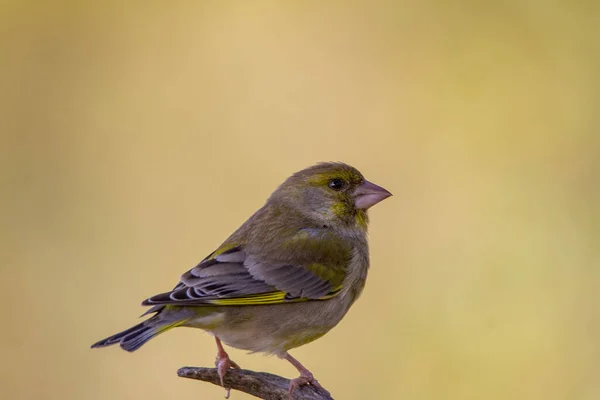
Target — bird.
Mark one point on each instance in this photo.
(283, 279)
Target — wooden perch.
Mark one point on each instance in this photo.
(260, 384)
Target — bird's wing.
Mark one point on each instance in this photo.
(313, 268)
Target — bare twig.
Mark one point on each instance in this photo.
(260, 384)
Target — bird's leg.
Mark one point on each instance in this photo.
(306, 377)
(223, 363)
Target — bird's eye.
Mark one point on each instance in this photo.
(337, 184)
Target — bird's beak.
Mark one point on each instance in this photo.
(368, 194)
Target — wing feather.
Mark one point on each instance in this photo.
(231, 276)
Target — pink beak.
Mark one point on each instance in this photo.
(368, 194)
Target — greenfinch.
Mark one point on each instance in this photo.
(283, 279)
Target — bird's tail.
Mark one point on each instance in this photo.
(134, 337)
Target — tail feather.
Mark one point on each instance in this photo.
(134, 337)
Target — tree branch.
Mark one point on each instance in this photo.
(260, 384)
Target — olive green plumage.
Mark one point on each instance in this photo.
(285, 277)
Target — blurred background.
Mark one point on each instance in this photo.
(134, 137)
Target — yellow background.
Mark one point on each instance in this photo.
(135, 137)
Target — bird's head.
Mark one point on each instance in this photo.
(332, 194)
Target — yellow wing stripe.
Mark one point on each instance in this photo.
(267, 298)
(224, 248)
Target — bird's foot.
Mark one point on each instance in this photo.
(305, 378)
(223, 364)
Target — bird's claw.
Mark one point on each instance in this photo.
(223, 364)
(305, 379)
